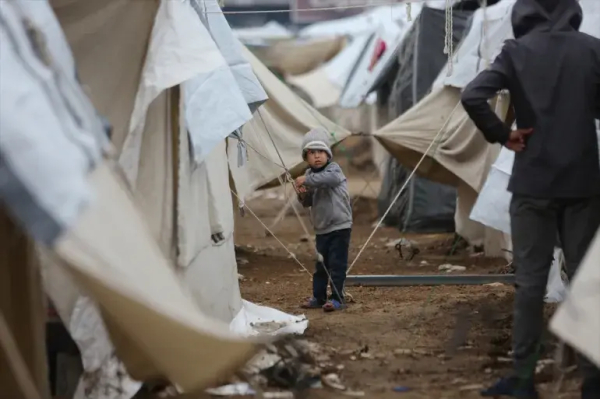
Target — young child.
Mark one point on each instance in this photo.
(325, 190)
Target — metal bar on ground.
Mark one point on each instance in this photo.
(428, 280)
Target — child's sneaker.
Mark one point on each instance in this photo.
(332, 305)
(311, 303)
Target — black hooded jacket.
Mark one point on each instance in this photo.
(552, 72)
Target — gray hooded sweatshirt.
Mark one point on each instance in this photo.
(327, 194)
(552, 72)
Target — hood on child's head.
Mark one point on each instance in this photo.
(316, 139)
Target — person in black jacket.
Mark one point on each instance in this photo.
(552, 72)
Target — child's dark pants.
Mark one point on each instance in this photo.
(334, 249)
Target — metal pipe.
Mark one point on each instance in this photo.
(428, 280)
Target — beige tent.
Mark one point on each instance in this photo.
(295, 57)
(324, 86)
(284, 118)
(456, 153)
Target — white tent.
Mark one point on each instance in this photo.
(324, 85)
(86, 218)
(182, 200)
(364, 75)
(270, 31)
(364, 23)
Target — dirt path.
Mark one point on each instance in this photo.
(440, 342)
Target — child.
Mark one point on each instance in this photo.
(325, 190)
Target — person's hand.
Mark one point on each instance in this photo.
(301, 189)
(516, 140)
(300, 181)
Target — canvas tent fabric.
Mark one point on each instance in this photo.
(121, 274)
(490, 27)
(364, 75)
(216, 103)
(323, 86)
(44, 172)
(364, 23)
(297, 56)
(284, 118)
(425, 205)
(456, 155)
(577, 320)
(212, 70)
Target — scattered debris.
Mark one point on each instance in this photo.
(242, 261)
(403, 244)
(333, 381)
(494, 285)
(401, 389)
(424, 263)
(240, 388)
(543, 364)
(241, 277)
(472, 387)
(278, 395)
(286, 368)
(451, 268)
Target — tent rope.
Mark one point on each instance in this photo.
(449, 37)
(410, 176)
(292, 255)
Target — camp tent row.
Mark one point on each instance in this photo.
(119, 235)
(462, 158)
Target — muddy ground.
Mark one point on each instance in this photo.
(439, 342)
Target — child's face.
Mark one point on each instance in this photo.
(316, 158)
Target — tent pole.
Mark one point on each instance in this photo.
(428, 280)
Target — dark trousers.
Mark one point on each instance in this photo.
(535, 224)
(334, 249)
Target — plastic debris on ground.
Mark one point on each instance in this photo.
(238, 389)
(253, 320)
(452, 268)
(287, 368)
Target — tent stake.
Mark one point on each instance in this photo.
(428, 280)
